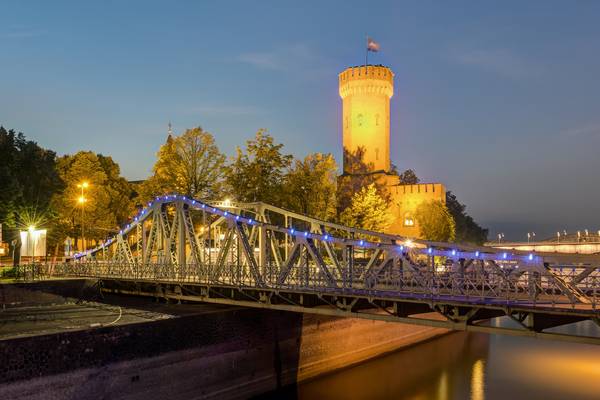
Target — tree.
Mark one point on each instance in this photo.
(107, 199)
(435, 221)
(357, 175)
(367, 210)
(467, 230)
(190, 164)
(310, 186)
(28, 179)
(409, 177)
(258, 174)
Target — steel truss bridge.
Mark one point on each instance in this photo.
(258, 255)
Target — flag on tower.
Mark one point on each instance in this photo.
(372, 45)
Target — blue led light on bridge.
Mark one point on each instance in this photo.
(326, 237)
(292, 231)
(225, 213)
(362, 242)
(305, 234)
(504, 255)
(453, 252)
(430, 250)
(530, 257)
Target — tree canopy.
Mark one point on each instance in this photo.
(189, 164)
(107, 198)
(357, 175)
(435, 221)
(467, 230)
(28, 179)
(258, 173)
(310, 186)
(367, 210)
(409, 177)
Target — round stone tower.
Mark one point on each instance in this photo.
(366, 92)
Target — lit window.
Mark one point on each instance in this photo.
(409, 221)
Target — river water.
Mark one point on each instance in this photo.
(469, 366)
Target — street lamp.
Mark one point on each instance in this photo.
(81, 200)
(530, 235)
(500, 237)
(558, 236)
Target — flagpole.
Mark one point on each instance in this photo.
(367, 54)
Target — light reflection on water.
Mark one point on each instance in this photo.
(468, 366)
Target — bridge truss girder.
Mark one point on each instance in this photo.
(181, 241)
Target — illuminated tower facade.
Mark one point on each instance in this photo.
(366, 92)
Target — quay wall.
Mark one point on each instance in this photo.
(226, 354)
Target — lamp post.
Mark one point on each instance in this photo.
(83, 185)
(558, 236)
(530, 235)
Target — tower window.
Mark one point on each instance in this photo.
(376, 119)
(359, 119)
(377, 154)
(346, 122)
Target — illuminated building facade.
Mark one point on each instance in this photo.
(366, 92)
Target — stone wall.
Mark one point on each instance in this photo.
(225, 354)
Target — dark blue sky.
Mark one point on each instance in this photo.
(498, 100)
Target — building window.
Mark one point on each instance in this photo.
(376, 154)
(359, 119)
(376, 119)
(408, 220)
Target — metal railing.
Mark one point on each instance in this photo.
(474, 287)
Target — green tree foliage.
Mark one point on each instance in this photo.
(310, 186)
(189, 164)
(357, 175)
(435, 221)
(28, 178)
(467, 230)
(108, 196)
(258, 174)
(367, 210)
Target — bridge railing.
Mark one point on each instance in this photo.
(491, 287)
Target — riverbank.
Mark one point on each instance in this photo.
(191, 352)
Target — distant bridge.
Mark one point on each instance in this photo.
(574, 244)
(258, 255)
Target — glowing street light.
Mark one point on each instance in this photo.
(530, 235)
